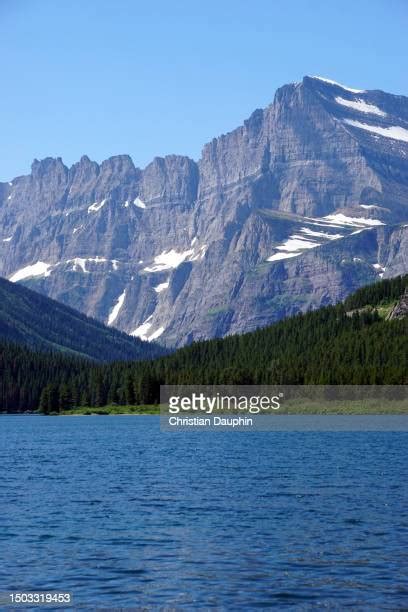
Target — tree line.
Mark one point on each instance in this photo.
(328, 346)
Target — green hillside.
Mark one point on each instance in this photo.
(33, 320)
(351, 343)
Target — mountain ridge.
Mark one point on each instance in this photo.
(297, 207)
(33, 320)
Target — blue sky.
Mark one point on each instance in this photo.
(157, 77)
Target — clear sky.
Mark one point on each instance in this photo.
(104, 77)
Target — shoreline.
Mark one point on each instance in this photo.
(398, 408)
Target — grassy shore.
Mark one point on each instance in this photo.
(334, 407)
(111, 410)
(369, 406)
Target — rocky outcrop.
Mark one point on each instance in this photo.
(295, 209)
(400, 310)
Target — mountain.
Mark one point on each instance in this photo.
(33, 320)
(353, 342)
(359, 341)
(304, 203)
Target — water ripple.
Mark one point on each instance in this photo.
(125, 516)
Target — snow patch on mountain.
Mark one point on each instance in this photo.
(380, 269)
(97, 259)
(156, 334)
(116, 309)
(141, 331)
(168, 260)
(309, 232)
(293, 246)
(38, 269)
(138, 202)
(279, 256)
(353, 221)
(161, 287)
(295, 243)
(361, 106)
(80, 262)
(307, 238)
(200, 253)
(395, 132)
(331, 82)
(96, 206)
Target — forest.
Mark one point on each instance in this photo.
(349, 343)
(31, 319)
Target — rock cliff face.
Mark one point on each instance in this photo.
(305, 202)
(400, 310)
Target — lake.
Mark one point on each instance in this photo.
(122, 514)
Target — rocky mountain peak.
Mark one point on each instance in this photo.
(121, 164)
(297, 207)
(84, 172)
(48, 167)
(171, 179)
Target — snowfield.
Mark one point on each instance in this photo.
(361, 106)
(161, 287)
(331, 82)
(279, 256)
(38, 269)
(138, 202)
(96, 206)
(143, 330)
(354, 221)
(116, 309)
(168, 260)
(395, 131)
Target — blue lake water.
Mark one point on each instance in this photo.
(123, 515)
